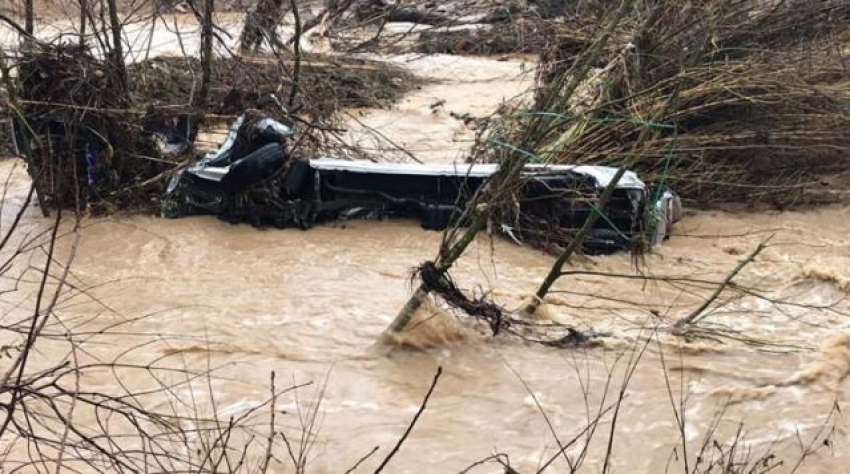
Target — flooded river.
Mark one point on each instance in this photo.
(310, 306)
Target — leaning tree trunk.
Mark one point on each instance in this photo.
(261, 24)
(449, 255)
(29, 17)
(117, 51)
(83, 9)
(501, 186)
(206, 55)
(200, 97)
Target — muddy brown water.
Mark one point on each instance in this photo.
(310, 306)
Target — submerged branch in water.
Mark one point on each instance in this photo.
(697, 315)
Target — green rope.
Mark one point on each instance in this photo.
(515, 148)
(631, 120)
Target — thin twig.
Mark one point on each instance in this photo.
(296, 47)
(412, 422)
(268, 457)
(697, 315)
(361, 460)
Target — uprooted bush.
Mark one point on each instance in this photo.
(725, 100)
(88, 137)
(82, 142)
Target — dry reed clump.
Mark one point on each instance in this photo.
(724, 100)
(523, 35)
(328, 83)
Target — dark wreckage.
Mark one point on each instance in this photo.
(253, 178)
